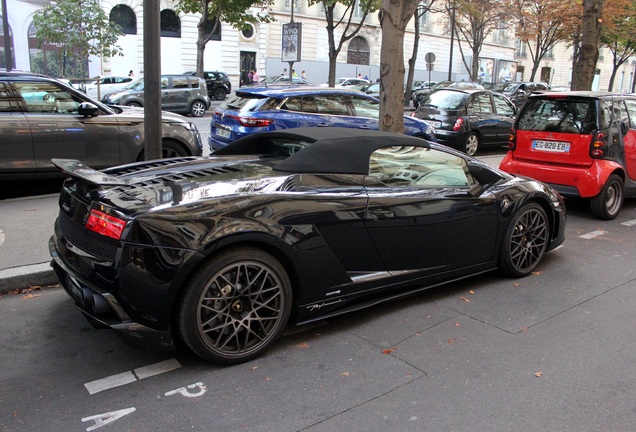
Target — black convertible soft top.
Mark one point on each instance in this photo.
(330, 150)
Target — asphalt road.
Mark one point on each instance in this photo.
(549, 352)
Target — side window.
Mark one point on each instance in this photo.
(331, 104)
(482, 104)
(5, 100)
(502, 105)
(631, 112)
(195, 82)
(293, 104)
(365, 107)
(164, 83)
(419, 167)
(47, 97)
(180, 83)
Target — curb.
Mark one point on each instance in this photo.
(27, 276)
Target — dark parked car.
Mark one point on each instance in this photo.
(266, 109)
(518, 92)
(185, 94)
(418, 95)
(282, 80)
(218, 84)
(42, 118)
(582, 143)
(288, 226)
(468, 119)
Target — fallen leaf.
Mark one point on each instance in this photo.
(538, 374)
(302, 345)
(346, 373)
(471, 292)
(451, 341)
(388, 351)
(253, 368)
(516, 284)
(536, 273)
(465, 299)
(30, 296)
(456, 324)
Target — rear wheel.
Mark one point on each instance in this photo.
(197, 109)
(170, 149)
(525, 241)
(235, 306)
(134, 104)
(608, 203)
(220, 93)
(472, 144)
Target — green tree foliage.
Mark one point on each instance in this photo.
(80, 28)
(341, 17)
(213, 12)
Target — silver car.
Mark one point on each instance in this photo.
(42, 118)
(183, 94)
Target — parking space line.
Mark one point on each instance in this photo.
(131, 376)
(593, 234)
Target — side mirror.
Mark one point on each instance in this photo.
(87, 109)
(624, 128)
(484, 176)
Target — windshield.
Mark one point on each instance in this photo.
(136, 85)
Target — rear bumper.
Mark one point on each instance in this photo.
(583, 182)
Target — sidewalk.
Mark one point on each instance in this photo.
(26, 224)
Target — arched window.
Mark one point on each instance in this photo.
(3, 62)
(170, 24)
(52, 60)
(209, 27)
(358, 52)
(125, 18)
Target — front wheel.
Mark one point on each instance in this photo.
(608, 203)
(134, 104)
(472, 144)
(525, 241)
(197, 109)
(235, 306)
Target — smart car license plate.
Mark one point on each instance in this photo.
(435, 124)
(551, 146)
(223, 132)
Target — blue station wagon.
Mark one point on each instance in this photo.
(260, 109)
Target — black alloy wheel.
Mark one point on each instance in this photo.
(525, 241)
(235, 306)
(608, 203)
(220, 93)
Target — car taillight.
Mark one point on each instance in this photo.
(458, 124)
(512, 139)
(597, 149)
(251, 121)
(104, 224)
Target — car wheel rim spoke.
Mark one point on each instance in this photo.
(240, 308)
(528, 240)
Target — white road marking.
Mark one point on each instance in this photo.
(131, 376)
(629, 223)
(183, 391)
(593, 234)
(106, 418)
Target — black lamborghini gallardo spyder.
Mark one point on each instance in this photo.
(222, 252)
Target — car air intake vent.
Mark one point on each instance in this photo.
(179, 177)
(148, 165)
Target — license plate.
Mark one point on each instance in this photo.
(435, 124)
(223, 132)
(551, 146)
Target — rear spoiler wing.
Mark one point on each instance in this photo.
(77, 169)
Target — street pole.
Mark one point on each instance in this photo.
(152, 81)
(7, 37)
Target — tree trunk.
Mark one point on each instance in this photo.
(409, 78)
(584, 69)
(394, 17)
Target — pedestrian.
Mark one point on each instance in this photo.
(294, 72)
(284, 72)
(303, 75)
(255, 77)
(250, 76)
(131, 74)
(360, 75)
(366, 77)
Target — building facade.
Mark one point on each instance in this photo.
(259, 47)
